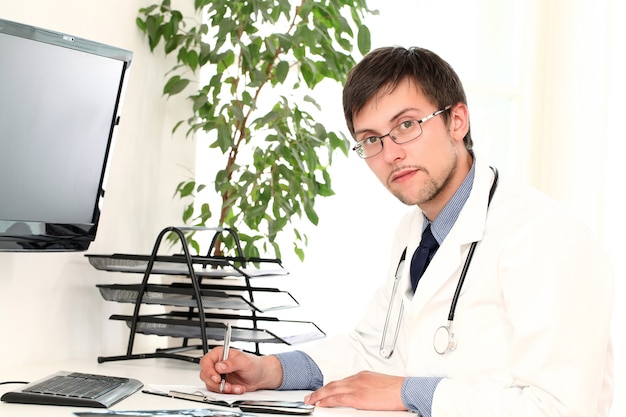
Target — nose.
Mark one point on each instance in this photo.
(392, 152)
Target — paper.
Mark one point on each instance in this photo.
(204, 412)
(290, 402)
(261, 395)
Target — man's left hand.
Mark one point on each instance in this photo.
(365, 391)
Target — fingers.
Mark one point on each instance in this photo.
(212, 368)
(333, 394)
(365, 391)
(244, 372)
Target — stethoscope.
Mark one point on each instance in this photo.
(444, 340)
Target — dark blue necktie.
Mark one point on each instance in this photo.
(422, 256)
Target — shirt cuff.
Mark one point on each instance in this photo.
(300, 372)
(417, 394)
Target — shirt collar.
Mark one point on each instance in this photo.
(443, 223)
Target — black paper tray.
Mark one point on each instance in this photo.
(216, 297)
(177, 265)
(283, 331)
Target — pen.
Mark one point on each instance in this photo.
(225, 354)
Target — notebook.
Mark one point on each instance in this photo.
(252, 402)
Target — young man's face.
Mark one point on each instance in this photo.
(428, 170)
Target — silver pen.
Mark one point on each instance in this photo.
(227, 334)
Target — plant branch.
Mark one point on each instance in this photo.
(288, 174)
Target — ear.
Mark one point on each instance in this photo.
(459, 121)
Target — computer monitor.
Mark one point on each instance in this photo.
(59, 101)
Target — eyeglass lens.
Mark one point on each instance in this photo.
(403, 133)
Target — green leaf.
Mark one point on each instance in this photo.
(311, 100)
(188, 212)
(282, 70)
(324, 190)
(224, 138)
(364, 40)
(141, 24)
(311, 214)
(205, 213)
(187, 189)
(175, 85)
(309, 72)
(299, 252)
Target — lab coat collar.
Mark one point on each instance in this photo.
(448, 261)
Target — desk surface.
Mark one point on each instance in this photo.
(148, 371)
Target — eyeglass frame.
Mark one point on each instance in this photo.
(358, 148)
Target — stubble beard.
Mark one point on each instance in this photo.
(430, 190)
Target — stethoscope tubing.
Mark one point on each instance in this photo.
(470, 254)
(452, 343)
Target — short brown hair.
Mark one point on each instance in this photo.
(384, 68)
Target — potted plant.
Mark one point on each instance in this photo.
(262, 60)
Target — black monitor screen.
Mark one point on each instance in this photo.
(59, 100)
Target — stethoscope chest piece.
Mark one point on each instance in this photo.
(386, 353)
(444, 340)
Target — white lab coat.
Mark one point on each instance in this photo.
(532, 321)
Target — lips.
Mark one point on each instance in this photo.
(402, 175)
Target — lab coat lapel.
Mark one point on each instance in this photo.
(444, 269)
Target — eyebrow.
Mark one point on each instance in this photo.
(394, 117)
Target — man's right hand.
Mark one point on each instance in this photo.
(244, 371)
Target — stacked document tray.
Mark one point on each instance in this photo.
(204, 294)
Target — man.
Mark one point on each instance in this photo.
(528, 332)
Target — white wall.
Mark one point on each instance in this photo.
(50, 308)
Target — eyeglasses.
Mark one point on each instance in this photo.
(405, 132)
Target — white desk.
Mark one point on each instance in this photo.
(148, 371)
